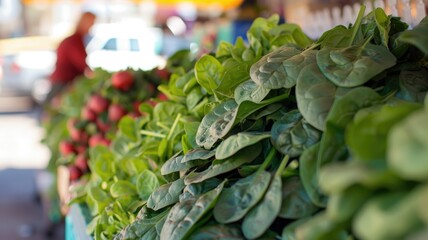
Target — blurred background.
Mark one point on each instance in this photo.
(138, 34)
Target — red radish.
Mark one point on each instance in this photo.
(136, 106)
(80, 148)
(162, 73)
(98, 139)
(78, 135)
(97, 103)
(102, 125)
(66, 148)
(162, 97)
(115, 112)
(75, 172)
(122, 80)
(81, 162)
(88, 114)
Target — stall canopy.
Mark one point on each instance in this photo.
(204, 4)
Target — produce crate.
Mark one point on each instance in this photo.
(76, 221)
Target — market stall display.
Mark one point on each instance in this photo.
(280, 137)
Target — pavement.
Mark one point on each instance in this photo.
(23, 181)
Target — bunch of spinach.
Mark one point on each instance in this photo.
(298, 138)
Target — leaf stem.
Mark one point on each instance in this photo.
(268, 160)
(163, 126)
(174, 125)
(357, 24)
(152, 134)
(282, 165)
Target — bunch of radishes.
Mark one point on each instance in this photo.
(99, 117)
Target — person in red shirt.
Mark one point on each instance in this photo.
(71, 57)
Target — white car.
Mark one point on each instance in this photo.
(114, 49)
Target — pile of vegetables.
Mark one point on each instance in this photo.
(298, 147)
(282, 137)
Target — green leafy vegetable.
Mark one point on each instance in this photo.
(185, 214)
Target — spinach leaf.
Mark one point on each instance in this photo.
(292, 134)
(320, 227)
(250, 91)
(147, 182)
(194, 97)
(414, 85)
(122, 188)
(175, 164)
(165, 195)
(269, 71)
(218, 167)
(332, 146)
(235, 202)
(208, 72)
(194, 190)
(383, 23)
(382, 216)
(315, 96)
(407, 148)
(338, 176)
(217, 123)
(184, 215)
(309, 172)
(418, 36)
(354, 65)
(221, 116)
(196, 154)
(265, 212)
(98, 200)
(235, 143)
(235, 72)
(295, 201)
(366, 138)
(144, 228)
(339, 36)
(289, 231)
(342, 206)
(217, 231)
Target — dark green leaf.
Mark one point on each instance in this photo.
(292, 134)
(418, 36)
(338, 176)
(235, 143)
(408, 147)
(184, 215)
(320, 227)
(355, 65)
(367, 137)
(315, 96)
(296, 203)
(147, 182)
(332, 144)
(269, 71)
(198, 154)
(235, 202)
(208, 72)
(380, 213)
(342, 206)
(265, 212)
(217, 232)
(176, 164)
(165, 195)
(309, 172)
(222, 166)
(250, 91)
(414, 85)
